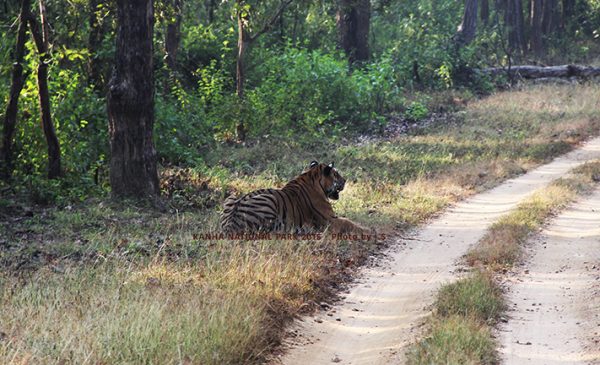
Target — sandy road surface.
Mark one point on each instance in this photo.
(555, 317)
(377, 318)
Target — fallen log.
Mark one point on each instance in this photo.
(536, 72)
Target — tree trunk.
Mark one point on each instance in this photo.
(513, 18)
(245, 40)
(568, 11)
(353, 22)
(468, 27)
(281, 28)
(484, 13)
(131, 103)
(94, 42)
(295, 28)
(243, 44)
(211, 5)
(40, 38)
(12, 108)
(549, 19)
(172, 41)
(526, 7)
(173, 37)
(536, 44)
(518, 4)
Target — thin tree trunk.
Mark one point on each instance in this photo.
(243, 44)
(40, 38)
(94, 41)
(281, 28)
(484, 12)
(353, 23)
(468, 27)
(549, 20)
(173, 37)
(526, 7)
(131, 103)
(568, 10)
(211, 5)
(245, 40)
(363, 22)
(295, 28)
(513, 18)
(536, 44)
(12, 108)
(518, 4)
(172, 41)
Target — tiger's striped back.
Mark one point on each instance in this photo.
(253, 212)
(301, 203)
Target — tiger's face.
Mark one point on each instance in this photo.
(330, 179)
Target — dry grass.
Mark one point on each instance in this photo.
(110, 283)
(159, 312)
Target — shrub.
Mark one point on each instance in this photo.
(316, 93)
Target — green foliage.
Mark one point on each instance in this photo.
(418, 33)
(79, 118)
(416, 111)
(303, 91)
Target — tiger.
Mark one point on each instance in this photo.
(302, 205)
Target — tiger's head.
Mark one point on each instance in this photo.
(329, 178)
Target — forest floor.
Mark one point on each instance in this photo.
(105, 282)
(381, 315)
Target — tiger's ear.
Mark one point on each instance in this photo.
(313, 164)
(328, 169)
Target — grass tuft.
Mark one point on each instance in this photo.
(455, 340)
(476, 296)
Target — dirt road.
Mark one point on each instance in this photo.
(555, 300)
(379, 315)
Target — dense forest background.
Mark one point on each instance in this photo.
(237, 73)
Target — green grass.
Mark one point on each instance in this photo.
(115, 283)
